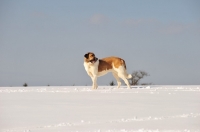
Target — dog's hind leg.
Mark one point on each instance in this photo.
(123, 77)
(121, 72)
(117, 78)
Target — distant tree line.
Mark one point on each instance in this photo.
(137, 76)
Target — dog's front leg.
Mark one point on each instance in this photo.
(94, 80)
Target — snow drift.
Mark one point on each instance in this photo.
(107, 109)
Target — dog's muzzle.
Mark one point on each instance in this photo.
(94, 60)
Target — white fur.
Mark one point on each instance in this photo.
(120, 72)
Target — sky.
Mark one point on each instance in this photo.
(43, 42)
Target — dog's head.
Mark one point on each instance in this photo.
(90, 57)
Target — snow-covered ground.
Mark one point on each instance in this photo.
(107, 109)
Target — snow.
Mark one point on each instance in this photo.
(107, 109)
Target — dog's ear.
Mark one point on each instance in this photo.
(86, 55)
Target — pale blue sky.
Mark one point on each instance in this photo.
(43, 41)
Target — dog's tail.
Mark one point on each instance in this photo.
(128, 76)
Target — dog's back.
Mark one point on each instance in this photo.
(113, 64)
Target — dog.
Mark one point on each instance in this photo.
(98, 67)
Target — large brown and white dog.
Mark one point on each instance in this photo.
(98, 67)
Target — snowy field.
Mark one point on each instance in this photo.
(107, 109)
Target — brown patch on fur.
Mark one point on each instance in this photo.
(109, 62)
(104, 65)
